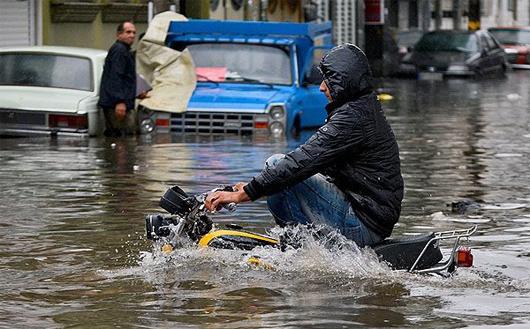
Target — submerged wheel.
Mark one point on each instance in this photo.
(297, 126)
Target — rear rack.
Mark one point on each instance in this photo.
(445, 235)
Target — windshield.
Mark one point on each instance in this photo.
(240, 62)
(408, 38)
(45, 71)
(512, 37)
(456, 42)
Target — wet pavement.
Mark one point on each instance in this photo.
(73, 252)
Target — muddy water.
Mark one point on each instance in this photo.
(73, 252)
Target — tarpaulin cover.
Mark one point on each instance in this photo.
(171, 73)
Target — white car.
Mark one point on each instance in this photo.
(50, 91)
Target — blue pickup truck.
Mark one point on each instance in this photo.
(253, 78)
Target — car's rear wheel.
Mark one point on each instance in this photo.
(504, 69)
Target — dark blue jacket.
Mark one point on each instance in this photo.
(356, 148)
(118, 83)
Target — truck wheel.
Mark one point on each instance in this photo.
(297, 126)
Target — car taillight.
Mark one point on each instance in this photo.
(464, 258)
(68, 121)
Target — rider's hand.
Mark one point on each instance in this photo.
(239, 187)
(214, 201)
(143, 95)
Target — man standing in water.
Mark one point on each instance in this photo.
(118, 83)
(347, 175)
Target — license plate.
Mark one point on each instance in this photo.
(22, 118)
(430, 76)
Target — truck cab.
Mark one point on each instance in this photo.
(253, 78)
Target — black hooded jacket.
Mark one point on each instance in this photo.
(356, 148)
(118, 82)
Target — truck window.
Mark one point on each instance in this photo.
(242, 62)
(313, 76)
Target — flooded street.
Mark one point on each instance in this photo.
(74, 252)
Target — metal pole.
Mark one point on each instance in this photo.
(150, 10)
(457, 14)
(425, 15)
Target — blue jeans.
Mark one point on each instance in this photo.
(318, 201)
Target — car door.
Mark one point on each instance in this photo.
(486, 63)
(496, 52)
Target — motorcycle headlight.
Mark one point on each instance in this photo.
(157, 226)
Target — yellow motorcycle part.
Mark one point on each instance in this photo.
(167, 248)
(385, 97)
(205, 240)
(256, 261)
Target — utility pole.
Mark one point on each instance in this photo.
(437, 14)
(425, 14)
(457, 14)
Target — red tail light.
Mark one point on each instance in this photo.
(261, 125)
(464, 258)
(68, 121)
(162, 122)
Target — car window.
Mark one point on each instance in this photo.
(511, 37)
(313, 76)
(46, 70)
(452, 42)
(491, 43)
(408, 38)
(484, 43)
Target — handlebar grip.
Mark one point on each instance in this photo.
(228, 188)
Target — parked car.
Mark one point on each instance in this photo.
(442, 53)
(406, 41)
(50, 90)
(516, 43)
(391, 55)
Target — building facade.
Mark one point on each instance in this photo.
(81, 23)
(92, 23)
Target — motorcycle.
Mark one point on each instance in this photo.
(188, 220)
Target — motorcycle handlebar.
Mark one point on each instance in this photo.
(231, 207)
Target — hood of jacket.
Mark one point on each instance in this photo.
(346, 72)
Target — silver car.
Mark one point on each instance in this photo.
(50, 91)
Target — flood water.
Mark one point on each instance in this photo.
(73, 251)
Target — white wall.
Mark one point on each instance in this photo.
(18, 23)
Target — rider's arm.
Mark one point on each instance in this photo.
(341, 135)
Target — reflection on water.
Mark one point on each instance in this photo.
(74, 253)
